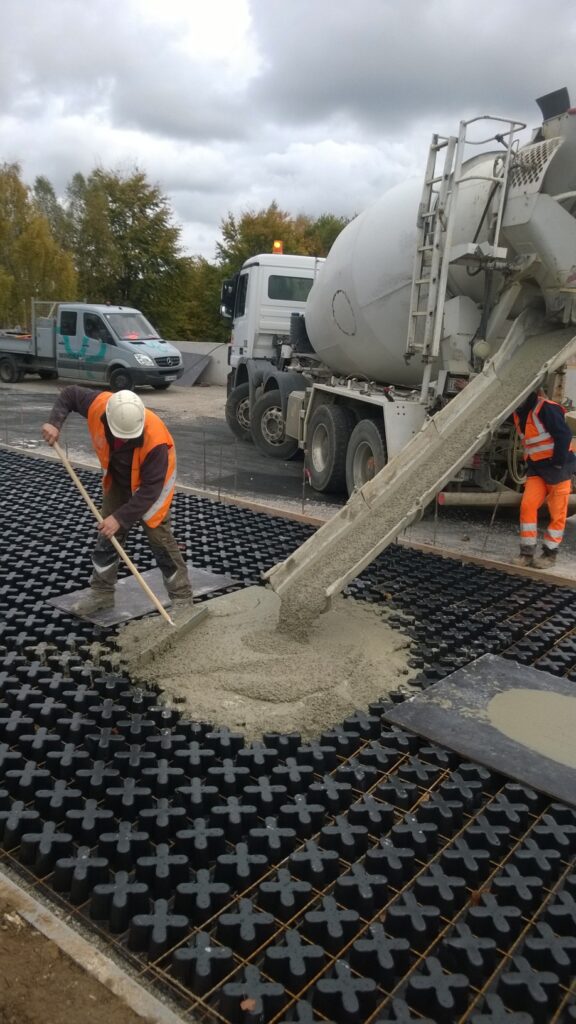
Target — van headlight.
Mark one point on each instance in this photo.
(143, 360)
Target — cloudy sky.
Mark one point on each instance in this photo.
(229, 104)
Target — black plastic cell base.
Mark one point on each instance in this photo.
(364, 875)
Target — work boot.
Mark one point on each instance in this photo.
(95, 601)
(545, 560)
(181, 603)
(525, 559)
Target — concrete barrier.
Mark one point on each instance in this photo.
(217, 369)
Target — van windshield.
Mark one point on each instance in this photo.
(131, 326)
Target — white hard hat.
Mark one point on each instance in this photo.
(125, 413)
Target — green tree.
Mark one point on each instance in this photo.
(147, 241)
(324, 232)
(203, 319)
(95, 248)
(127, 247)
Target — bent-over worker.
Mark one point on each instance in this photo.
(550, 462)
(136, 452)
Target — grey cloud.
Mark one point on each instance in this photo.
(341, 103)
(384, 63)
(138, 76)
(174, 101)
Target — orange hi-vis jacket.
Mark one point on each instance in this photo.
(154, 433)
(537, 442)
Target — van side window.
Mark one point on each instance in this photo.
(68, 321)
(241, 296)
(95, 328)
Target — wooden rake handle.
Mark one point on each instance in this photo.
(128, 561)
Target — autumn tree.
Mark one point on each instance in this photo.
(112, 238)
(47, 203)
(243, 236)
(256, 230)
(33, 265)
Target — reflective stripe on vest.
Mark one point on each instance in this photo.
(166, 493)
(155, 433)
(537, 442)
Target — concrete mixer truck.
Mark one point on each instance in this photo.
(349, 357)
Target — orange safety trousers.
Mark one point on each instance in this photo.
(536, 492)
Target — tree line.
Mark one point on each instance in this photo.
(113, 238)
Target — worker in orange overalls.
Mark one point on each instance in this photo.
(547, 442)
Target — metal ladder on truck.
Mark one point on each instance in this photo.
(435, 226)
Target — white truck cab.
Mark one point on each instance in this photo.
(260, 300)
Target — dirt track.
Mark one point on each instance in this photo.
(40, 985)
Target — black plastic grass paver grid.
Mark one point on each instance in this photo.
(365, 875)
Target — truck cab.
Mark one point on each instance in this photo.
(260, 301)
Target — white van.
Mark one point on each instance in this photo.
(113, 346)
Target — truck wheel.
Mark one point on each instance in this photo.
(268, 428)
(237, 411)
(47, 374)
(366, 454)
(121, 380)
(163, 386)
(10, 371)
(326, 446)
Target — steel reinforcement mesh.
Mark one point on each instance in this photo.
(367, 875)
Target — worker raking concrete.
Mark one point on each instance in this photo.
(137, 453)
(550, 464)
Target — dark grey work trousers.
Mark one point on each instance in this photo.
(105, 558)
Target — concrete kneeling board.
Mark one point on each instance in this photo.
(132, 602)
(509, 717)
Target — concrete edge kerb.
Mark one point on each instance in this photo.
(86, 956)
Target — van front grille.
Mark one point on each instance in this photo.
(168, 361)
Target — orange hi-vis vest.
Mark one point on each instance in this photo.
(537, 442)
(154, 433)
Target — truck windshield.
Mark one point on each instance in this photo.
(289, 289)
(131, 326)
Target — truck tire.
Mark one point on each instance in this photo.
(267, 425)
(121, 379)
(163, 386)
(366, 454)
(10, 371)
(48, 374)
(237, 411)
(327, 440)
